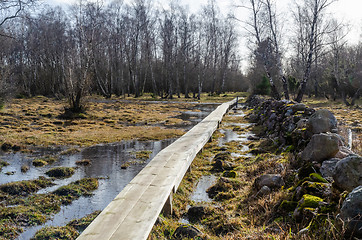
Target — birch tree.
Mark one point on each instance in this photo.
(309, 14)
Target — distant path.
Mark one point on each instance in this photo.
(132, 214)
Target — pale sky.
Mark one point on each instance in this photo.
(347, 10)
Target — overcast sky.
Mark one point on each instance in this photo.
(347, 10)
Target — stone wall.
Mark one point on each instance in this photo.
(326, 167)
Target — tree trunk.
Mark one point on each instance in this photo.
(356, 96)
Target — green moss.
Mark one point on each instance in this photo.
(288, 205)
(331, 208)
(315, 177)
(290, 148)
(306, 170)
(60, 172)
(65, 233)
(310, 201)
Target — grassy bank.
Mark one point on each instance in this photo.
(236, 211)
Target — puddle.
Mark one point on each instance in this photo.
(192, 117)
(200, 195)
(106, 161)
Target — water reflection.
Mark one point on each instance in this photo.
(106, 161)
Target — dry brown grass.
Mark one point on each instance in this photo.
(237, 213)
(36, 121)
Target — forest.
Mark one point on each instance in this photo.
(106, 48)
(245, 122)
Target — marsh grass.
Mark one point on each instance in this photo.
(37, 122)
(20, 208)
(71, 231)
(60, 172)
(3, 164)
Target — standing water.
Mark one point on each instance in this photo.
(106, 161)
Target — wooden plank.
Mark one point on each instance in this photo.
(132, 214)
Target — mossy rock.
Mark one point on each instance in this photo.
(39, 163)
(66, 233)
(288, 206)
(229, 174)
(309, 201)
(319, 189)
(306, 171)
(315, 177)
(60, 172)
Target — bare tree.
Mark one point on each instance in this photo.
(10, 9)
(117, 49)
(273, 29)
(259, 32)
(309, 15)
(345, 65)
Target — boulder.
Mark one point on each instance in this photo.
(220, 165)
(186, 231)
(225, 155)
(322, 121)
(351, 213)
(196, 212)
(321, 147)
(322, 190)
(269, 180)
(298, 107)
(265, 190)
(327, 168)
(343, 152)
(348, 173)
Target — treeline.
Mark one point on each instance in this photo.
(320, 62)
(119, 49)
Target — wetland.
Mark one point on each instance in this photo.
(45, 157)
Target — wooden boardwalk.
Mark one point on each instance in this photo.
(132, 214)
